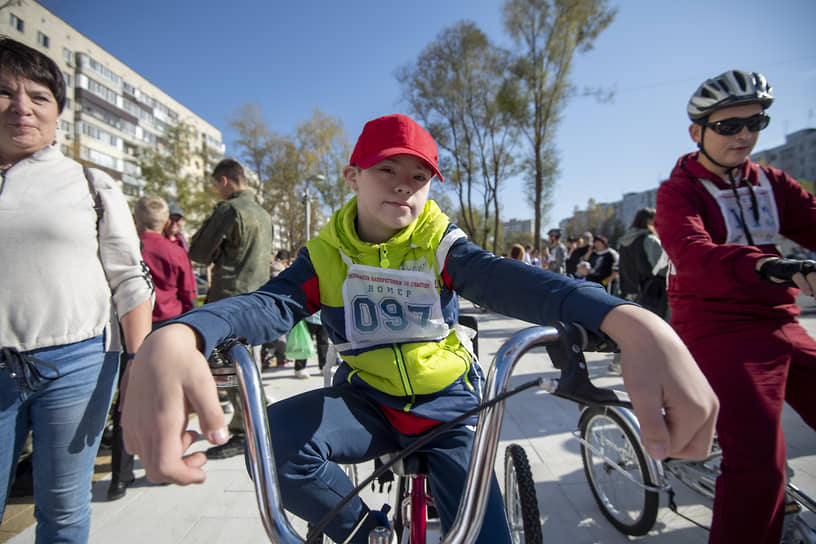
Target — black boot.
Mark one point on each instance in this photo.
(23, 485)
(234, 446)
(118, 488)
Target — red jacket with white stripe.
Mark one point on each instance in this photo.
(710, 279)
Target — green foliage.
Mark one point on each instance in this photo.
(547, 34)
(170, 171)
(523, 238)
(289, 166)
(253, 138)
(325, 148)
(599, 219)
(455, 89)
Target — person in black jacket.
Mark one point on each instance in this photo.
(602, 261)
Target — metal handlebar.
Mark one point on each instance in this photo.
(565, 345)
(259, 442)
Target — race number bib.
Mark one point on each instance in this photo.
(763, 226)
(384, 306)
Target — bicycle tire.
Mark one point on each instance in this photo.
(631, 508)
(520, 499)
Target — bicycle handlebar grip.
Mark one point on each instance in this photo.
(221, 367)
(784, 269)
(567, 355)
(598, 342)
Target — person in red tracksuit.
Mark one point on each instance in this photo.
(733, 298)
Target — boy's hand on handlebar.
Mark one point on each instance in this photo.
(168, 379)
(673, 401)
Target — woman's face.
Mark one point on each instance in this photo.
(28, 117)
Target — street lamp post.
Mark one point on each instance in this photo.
(308, 204)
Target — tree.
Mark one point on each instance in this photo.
(455, 90)
(287, 167)
(253, 143)
(324, 150)
(168, 171)
(597, 218)
(314, 165)
(549, 33)
(198, 203)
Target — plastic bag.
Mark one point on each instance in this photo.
(300, 344)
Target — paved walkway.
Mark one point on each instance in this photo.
(223, 509)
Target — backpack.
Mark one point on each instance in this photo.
(633, 267)
(98, 208)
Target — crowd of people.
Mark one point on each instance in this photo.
(707, 253)
(586, 257)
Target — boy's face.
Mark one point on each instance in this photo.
(390, 195)
(730, 150)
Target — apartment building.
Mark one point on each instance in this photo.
(797, 156)
(524, 226)
(111, 110)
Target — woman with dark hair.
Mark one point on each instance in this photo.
(643, 264)
(72, 273)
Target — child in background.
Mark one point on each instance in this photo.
(386, 271)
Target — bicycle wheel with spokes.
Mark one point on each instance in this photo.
(520, 500)
(616, 469)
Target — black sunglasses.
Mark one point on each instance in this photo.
(729, 127)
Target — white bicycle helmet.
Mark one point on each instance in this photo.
(730, 88)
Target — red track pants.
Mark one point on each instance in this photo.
(754, 367)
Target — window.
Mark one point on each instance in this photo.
(43, 40)
(131, 108)
(100, 90)
(130, 149)
(97, 157)
(68, 56)
(17, 23)
(99, 134)
(102, 115)
(132, 169)
(65, 125)
(104, 71)
(130, 190)
(127, 127)
(149, 138)
(67, 77)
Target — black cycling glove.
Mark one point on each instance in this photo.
(784, 269)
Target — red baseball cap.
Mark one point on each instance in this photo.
(391, 135)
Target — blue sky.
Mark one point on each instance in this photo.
(292, 57)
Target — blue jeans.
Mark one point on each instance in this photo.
(66, 416)
(314, 431)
